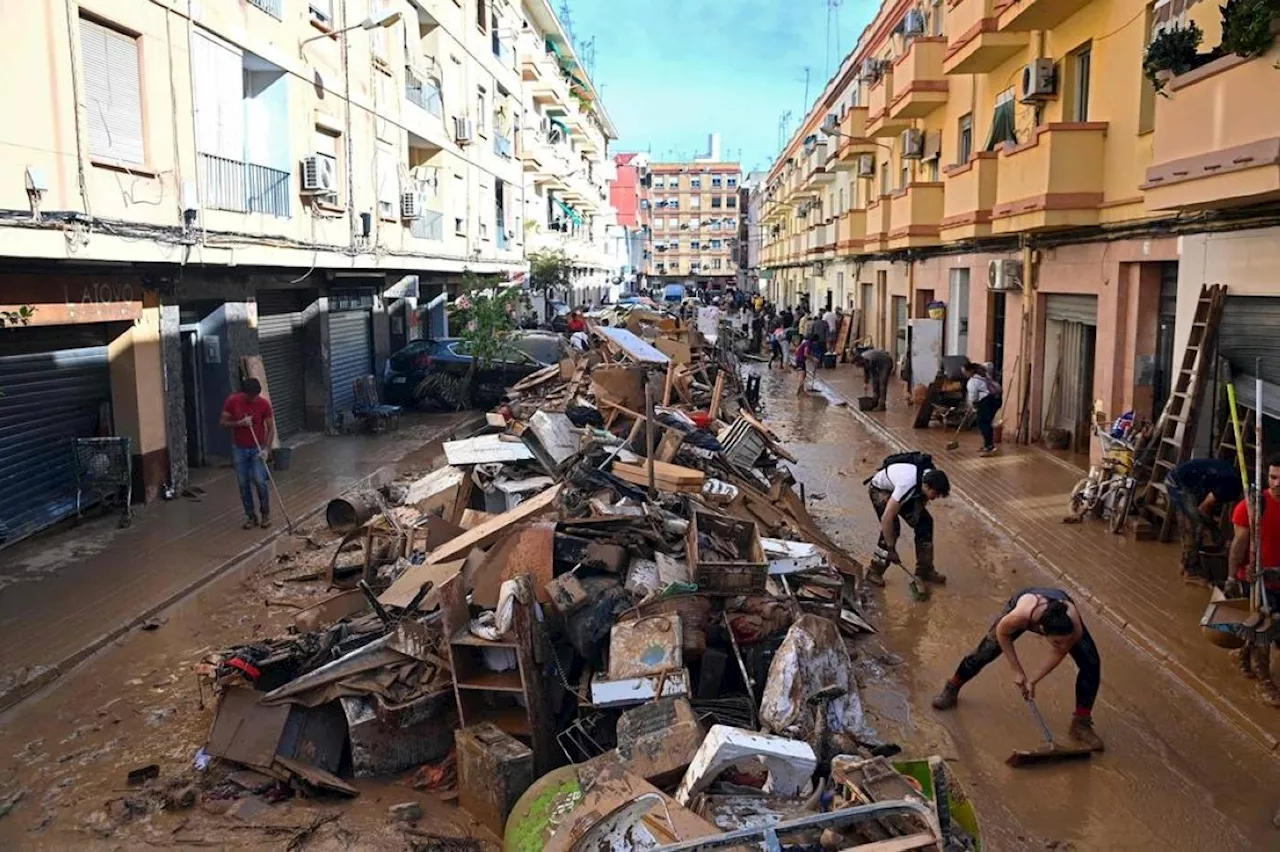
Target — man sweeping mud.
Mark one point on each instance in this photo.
(1052, 614)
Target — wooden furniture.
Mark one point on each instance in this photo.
(514, 700)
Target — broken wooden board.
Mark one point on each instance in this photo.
(489, 531)
(669, 477)
(619, 385)
(331, 610)
(472, 518)
(556, 434)
(406, 586)
(315, 776)
(435, 490)
(486, 449)
(532, 380)
(678, 351)
(245, 731)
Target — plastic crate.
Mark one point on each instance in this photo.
(745, 574)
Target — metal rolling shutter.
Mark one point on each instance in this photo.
(1248, 332)
(50, 397)
(280, 344)
(1081, 309)
(350, 355)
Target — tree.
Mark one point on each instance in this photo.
(486, 314)
(549, 271)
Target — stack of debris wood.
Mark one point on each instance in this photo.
(616, 579)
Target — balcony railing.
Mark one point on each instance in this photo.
(243, 187)
(430, 226)
(422, 92)
(274, 8)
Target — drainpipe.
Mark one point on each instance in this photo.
(350, 148)
(1028, 334)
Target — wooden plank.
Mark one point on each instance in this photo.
(672, 473)
(900, 844)
(717, 396)
(532, 380)
(669, 385)
(487, 532)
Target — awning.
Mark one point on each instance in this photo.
(568, 211)
(564, 128)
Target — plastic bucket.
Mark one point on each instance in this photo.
(282, 458)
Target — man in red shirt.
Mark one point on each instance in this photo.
(252, 423)
(1255, 656)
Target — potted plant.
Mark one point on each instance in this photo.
(1172, 52)
(1248, 26)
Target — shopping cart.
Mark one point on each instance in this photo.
(104, 473)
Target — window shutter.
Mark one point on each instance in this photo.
(113, 99)
(219, 97)
(388, 185)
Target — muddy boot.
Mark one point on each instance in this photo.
(924, 565)
(1081, 731)
(249, 522)
(1243, 658)
(947, 698)
(1267, 690)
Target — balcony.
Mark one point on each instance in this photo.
(1214, 147)
(429, 226)
(1024, 16)
(970, 196)
(823, 162)
(274, 8)
(532, 144)
(854, 139)
(550, 88)
(976, 43)
(242, 187)
(879, 97)
(851, 232)
(919, 86)
(915, 214)
(1053, 180)
(878, 225)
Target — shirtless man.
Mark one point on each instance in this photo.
(1052, 614)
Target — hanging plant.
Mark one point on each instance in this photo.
(1247, 26)
(1172, 52)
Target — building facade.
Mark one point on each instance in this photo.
(969, 153)
(694, 215)
(633, 170)
(747, 249)
(294, 181)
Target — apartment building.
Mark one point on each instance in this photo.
(624, 194)
(694, 214)
(305, 181)
(1010, 160)
(747, 250)
(565, 152)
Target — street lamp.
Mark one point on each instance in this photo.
(382, 20)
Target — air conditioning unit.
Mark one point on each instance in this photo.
(866, 165)
(912, 144)
(913, 23)
(831, 123)
(410, 205)
(319, 173)
(1004, 275)
(464, 130)
(1039, 81)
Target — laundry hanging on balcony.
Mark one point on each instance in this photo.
(1003, 125)
(573, 215)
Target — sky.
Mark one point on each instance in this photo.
(671, 72)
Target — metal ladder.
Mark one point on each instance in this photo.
(1175, 432)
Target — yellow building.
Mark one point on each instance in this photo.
(692, 209)
(964, 144)
(300, 180)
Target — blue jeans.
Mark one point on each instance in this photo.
(251, 472)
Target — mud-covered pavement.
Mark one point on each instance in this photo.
(1173, 776)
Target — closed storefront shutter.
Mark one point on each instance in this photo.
(1248, 332)
(350, 355)
(56, 384)
(1065, 308)
(280, 343)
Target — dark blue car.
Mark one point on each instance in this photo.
(430, 373)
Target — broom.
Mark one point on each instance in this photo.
(1050, 752)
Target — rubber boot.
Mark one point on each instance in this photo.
(947, 698)
(924, 565)
(1262, 665)
(1082, 731)
(1243, 658)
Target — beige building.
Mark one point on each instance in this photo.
(1009, 163)
(693, 214)
(301, 180)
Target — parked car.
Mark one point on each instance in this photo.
(430, 373)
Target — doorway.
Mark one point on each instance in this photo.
(957, 338)
(923, 298)
(868, 304)
(998, 310)
(883, 332)
(1162, 381)
(900, 326)
(190, 342)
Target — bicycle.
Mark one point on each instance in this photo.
(1109, 489)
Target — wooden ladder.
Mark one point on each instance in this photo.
(1175, 432)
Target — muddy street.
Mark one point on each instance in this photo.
(1174, 775)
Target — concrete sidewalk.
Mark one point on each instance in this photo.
(1136, 585)
(68, 593)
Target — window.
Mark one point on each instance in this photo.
(1078, 64)
(673, 181)
(658, 224)
(1003, 125)
(884, 178)
(113, 94)
(731, 202)
(964, 142)
(716, 181)
(733, 183)
(675, 245)
(715, 263)
(933, 170)
(482, 14)
(716, 202)
(695, 183)
(322, 11)
(936, 17)
(695, 202)
(904, 177)
(644, 204)
(658, 182)
(481, 108)
(459, 199)
(715, 244)
(388, 184)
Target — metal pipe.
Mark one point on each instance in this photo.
(1259, 587)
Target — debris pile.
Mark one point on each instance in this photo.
(609, 617)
